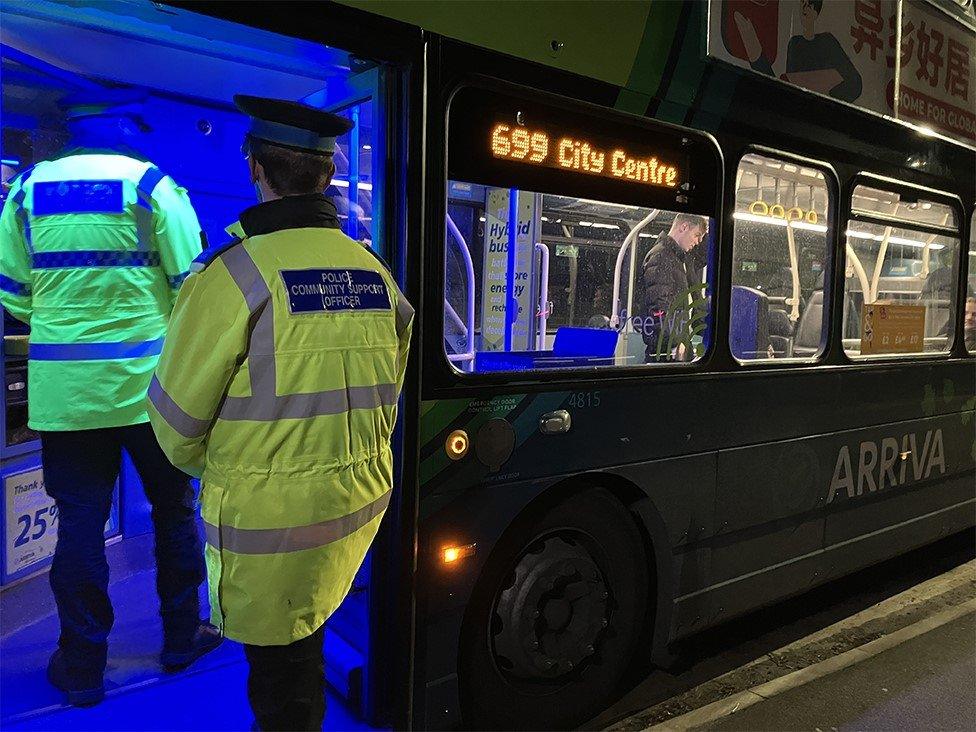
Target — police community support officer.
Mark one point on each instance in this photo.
(94, 244)
(278, 384)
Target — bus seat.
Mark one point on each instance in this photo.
(585, 342)
(780, 333)
(806, 343)
(749, 329)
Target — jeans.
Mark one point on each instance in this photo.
(80, 471)
(286, 684)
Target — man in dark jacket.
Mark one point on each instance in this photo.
(670, 271)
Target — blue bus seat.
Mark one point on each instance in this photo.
(749, 327)
(585, 342)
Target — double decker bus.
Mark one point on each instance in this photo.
(579, 486)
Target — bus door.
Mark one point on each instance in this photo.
(360, 190)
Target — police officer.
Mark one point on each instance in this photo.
(278, 384)
(94, 244)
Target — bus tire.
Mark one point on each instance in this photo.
(554, 619)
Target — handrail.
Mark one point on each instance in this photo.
(861, 274)
(469, 302)
(879, 265)
(927, 250)
(540, 343)
(619, 267)
(794, 301)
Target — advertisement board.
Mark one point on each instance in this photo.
(846, 50)
(30, 522)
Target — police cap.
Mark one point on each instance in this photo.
(292, 124)
(103, 102)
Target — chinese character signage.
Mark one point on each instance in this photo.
(846, 49)
(892, 328)
(936, 68)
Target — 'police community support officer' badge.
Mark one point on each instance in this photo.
(334, 290)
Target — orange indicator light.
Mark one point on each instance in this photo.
(452, 554)
(457, 444)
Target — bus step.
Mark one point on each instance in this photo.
(344, 668)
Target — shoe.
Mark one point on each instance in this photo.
(177, 656)
(83, 688)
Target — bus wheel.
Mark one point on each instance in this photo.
(553, 622)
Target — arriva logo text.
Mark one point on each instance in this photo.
(887, 465)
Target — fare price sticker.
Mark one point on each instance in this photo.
(30, 521)
(892, 328)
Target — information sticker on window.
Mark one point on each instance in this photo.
(892, 328)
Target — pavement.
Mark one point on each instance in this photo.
(926, 683)
(905, 662)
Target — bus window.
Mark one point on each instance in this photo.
(570, 246)
(779, 252)
(969, 323)
(901, 274)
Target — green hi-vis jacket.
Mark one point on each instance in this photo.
(278, 383)
(93, 249)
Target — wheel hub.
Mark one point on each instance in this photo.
(549, 622)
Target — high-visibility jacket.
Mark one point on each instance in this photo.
(93, 248)
(278, 383)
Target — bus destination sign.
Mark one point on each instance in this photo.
(550, 149)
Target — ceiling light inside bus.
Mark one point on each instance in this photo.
(605, 226)
(782, 223)
(585, 223)
(345, 184)
(892, 240)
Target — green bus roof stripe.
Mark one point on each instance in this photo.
(688, 71)
(655, 47)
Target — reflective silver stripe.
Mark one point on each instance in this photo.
(295, 538)
(247, 277)
(404, 311)
(173, 414)
(213, 535)
(267, 407)
(264, 404)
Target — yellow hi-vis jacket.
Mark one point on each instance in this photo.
(93, 249)
(278, 383)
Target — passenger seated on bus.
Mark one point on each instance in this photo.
(669, 278)
(969, 324)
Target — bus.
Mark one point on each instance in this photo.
(587, 472)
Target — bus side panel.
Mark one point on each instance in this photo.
(834, 513)
(681, 496)
(927, 484)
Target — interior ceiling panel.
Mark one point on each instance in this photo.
(172, 51)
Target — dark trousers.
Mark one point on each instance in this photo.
(80, 470)
(286, 684)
